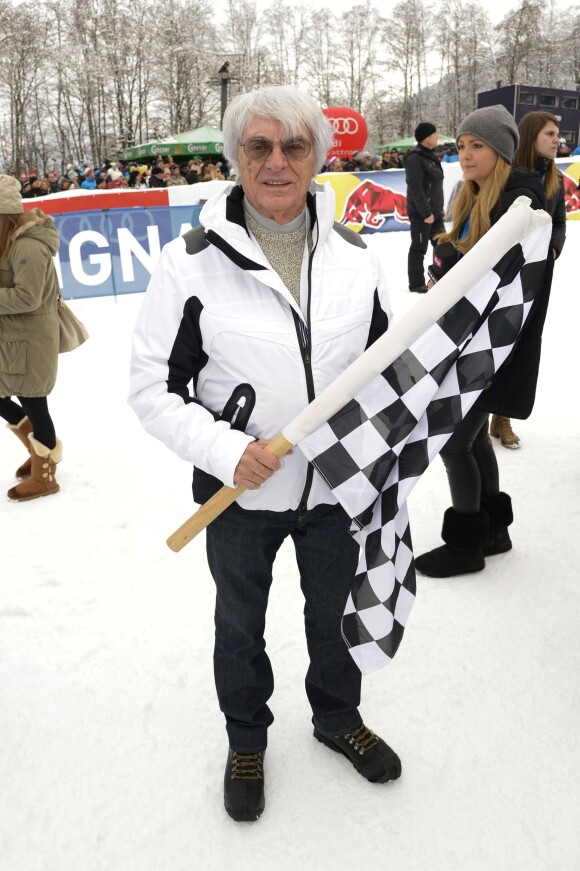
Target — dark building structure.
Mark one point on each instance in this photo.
(521, 99)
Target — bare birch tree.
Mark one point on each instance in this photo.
(462, 41)
(98, 81)
(20, 79)
(286, 31)
(321, 64)
(406, 49)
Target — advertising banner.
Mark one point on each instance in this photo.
(104, 253)
(349, 128)
(110, 240)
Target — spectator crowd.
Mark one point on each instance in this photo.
(165, 172)
(160, 173)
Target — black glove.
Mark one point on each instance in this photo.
(445, 256)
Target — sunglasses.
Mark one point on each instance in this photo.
(259, 149)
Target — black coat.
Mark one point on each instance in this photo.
(512, 391)
(556, 206)
(424, 175)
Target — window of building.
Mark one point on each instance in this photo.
(569, 102)
(526, 97)
(570, 136)
(548, 100)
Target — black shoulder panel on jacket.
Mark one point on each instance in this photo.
(195, 240)
(379, 321)
(237, 258)
(349, 235)
(235, 207)
(187, 357)
(311, 205)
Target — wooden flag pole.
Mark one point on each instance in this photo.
(218, 503)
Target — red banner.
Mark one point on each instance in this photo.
(350, 130)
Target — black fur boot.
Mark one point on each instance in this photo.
(464, 536)
(499, 509)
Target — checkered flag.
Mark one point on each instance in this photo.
(372, 452)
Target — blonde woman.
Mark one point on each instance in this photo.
(476, 525)
(539, 139)
(29, 338)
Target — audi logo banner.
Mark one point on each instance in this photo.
(344, 126)
(350, 130)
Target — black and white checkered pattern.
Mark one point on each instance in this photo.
(373, 451)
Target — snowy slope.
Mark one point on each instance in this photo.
(111, 744)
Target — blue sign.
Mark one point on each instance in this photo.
(108, 252)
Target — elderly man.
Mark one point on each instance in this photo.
(261, 307)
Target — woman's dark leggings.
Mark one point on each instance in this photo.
(470, 463)
(36, 409)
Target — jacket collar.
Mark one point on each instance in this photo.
(223, 216)
(235, 207)
(427, 153)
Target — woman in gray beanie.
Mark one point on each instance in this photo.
(476, 525)
(29, 338)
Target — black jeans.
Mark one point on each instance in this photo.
(241, 548)
(36, 409)
(470, 463)
(421, 233)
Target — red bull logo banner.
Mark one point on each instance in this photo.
(370, 202)
(571, 178)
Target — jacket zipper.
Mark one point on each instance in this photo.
(305, 346)
(306, 352)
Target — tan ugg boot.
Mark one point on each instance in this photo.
(22, 430)
(501, 428)
(42, 481)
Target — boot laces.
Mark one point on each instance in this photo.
(362, 739)
(247, 766)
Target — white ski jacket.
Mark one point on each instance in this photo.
(217, 317)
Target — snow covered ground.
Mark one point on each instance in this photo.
(112, 747)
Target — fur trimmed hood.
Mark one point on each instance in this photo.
(40, 227)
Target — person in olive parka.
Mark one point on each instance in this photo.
(29, 338)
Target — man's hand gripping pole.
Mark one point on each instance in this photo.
(218, 503)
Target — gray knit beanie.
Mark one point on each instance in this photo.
(10, 199)
(496, 127)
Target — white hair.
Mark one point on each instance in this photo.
(294, 109)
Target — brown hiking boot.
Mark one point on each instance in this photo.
(42, 481)
(501, 428)
(244, 785)
(22, 430)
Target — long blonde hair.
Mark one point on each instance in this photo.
(477, 204)
(9, 225)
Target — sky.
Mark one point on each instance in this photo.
(112, 747)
